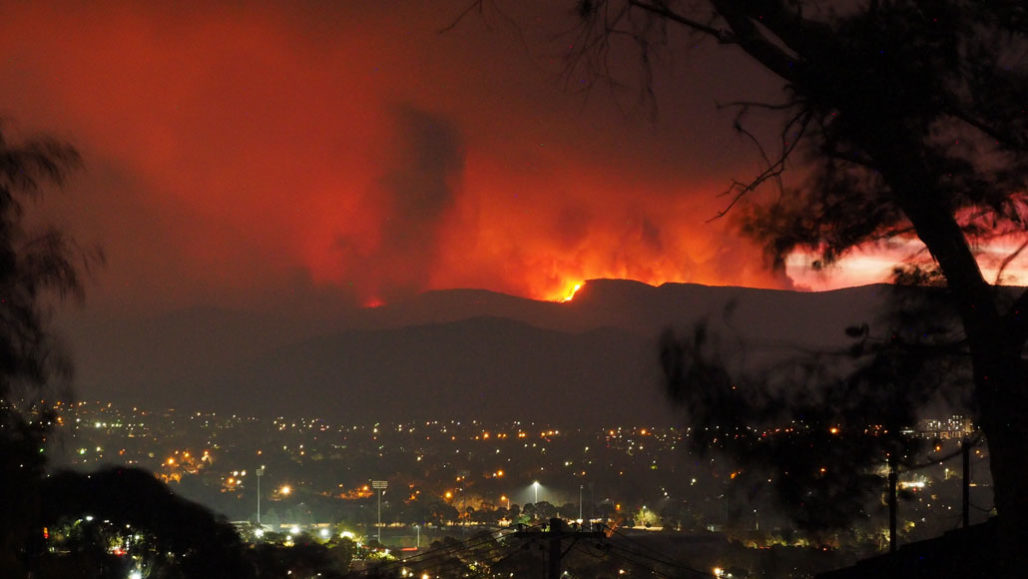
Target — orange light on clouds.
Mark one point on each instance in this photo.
(303, 152)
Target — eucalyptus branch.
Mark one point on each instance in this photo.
(1007, 260)
(758, 105)
(722, 36)
(1009, 140)
(474, 6)
(774, 168)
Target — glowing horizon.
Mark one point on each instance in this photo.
(287, 156)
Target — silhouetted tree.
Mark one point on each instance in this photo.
(306, 558)
(544, 510)
(180, 535)
(908, 118)
(33, 265)
(811, 429)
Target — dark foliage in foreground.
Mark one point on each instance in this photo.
(908, 121)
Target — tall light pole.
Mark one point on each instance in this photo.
(379, 485)
(260, 473)
(418, 529)
(535, 487)
(580, 487)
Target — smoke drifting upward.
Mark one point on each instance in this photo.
(255, 154)
(415, 198)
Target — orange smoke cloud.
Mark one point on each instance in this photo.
(287, 148)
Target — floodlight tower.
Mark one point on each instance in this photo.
(260, 473)
(379, 485)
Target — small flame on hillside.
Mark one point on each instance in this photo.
(570, 295)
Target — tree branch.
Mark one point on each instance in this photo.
(750, 39)
(1006, 261)
(1016, 319)
(722, 36)
(474, 6)
(1012, 141)
(774, 169)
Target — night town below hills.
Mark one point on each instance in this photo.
(399, 487)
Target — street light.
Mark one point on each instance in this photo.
(379, 485)
(260, 473)
(535, 487)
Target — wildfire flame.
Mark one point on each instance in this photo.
(570, 294)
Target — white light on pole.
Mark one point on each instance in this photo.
(379, 485)
(260, 473)
(535, 487)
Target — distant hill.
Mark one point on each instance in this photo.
(450, 353)
(485, 368)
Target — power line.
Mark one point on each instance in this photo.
(442, 551)
(666, 563)
(635, 562)
(555, 536)
(662, 560)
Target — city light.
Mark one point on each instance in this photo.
(480, 458)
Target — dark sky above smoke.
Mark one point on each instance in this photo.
(282, 152)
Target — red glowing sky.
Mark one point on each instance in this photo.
(301, 151)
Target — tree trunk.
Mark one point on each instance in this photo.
(1000, 377)
(1000, 388)
(896, 146)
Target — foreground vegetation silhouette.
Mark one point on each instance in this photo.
(905, 120)
(33, 266)
(182, 538)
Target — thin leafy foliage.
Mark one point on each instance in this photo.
(903, 123)
(34, 368)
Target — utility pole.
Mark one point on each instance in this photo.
(893, 480)
(556, 535)
(966, 483)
